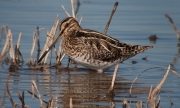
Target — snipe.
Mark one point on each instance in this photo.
(93, 49)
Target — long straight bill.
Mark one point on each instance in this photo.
(48, 49)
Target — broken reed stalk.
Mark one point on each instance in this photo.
(139, 104)
(19, 40)
(60, 54)
(158, 87)
(38, 42)
(66, 11)
(49, 39)
(152, 97)
(110, 90)
(17, 51)
(112, 13)
(72, 5)
(32, 49)
(173, 24)
(5, 48)
(125, 104)
(80, 20)
(51, 102)
(11, 51)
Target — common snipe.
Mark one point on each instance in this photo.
(93, 49)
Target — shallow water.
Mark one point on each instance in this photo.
(133, 22)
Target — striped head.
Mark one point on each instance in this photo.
(67, 25)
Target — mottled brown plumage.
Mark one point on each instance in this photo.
(93, 49)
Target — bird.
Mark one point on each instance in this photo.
(92, 49)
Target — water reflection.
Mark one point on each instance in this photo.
(85, 87)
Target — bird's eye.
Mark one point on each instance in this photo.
(66, 25)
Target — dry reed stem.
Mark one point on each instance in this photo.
(113, 79)
(38, 42)
(59, 56)
(32, 49)
(125, 104)
(49, 39)
(72, 5)
(39, 95)
(17, 52)
(150, 91)
(33, 44)
(176, 73)
(11, 51)
(5, 48)
(66, 11)
(112, 13)
(62, 57)
(70, 103)
(19, 39)
(105, 31)
(173, 24)
(18, 43)
(80, 20)
(50, 104)
(139, 104)
(158, 87)
(152, 98)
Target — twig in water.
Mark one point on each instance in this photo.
(174, 26)
(112, 13)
